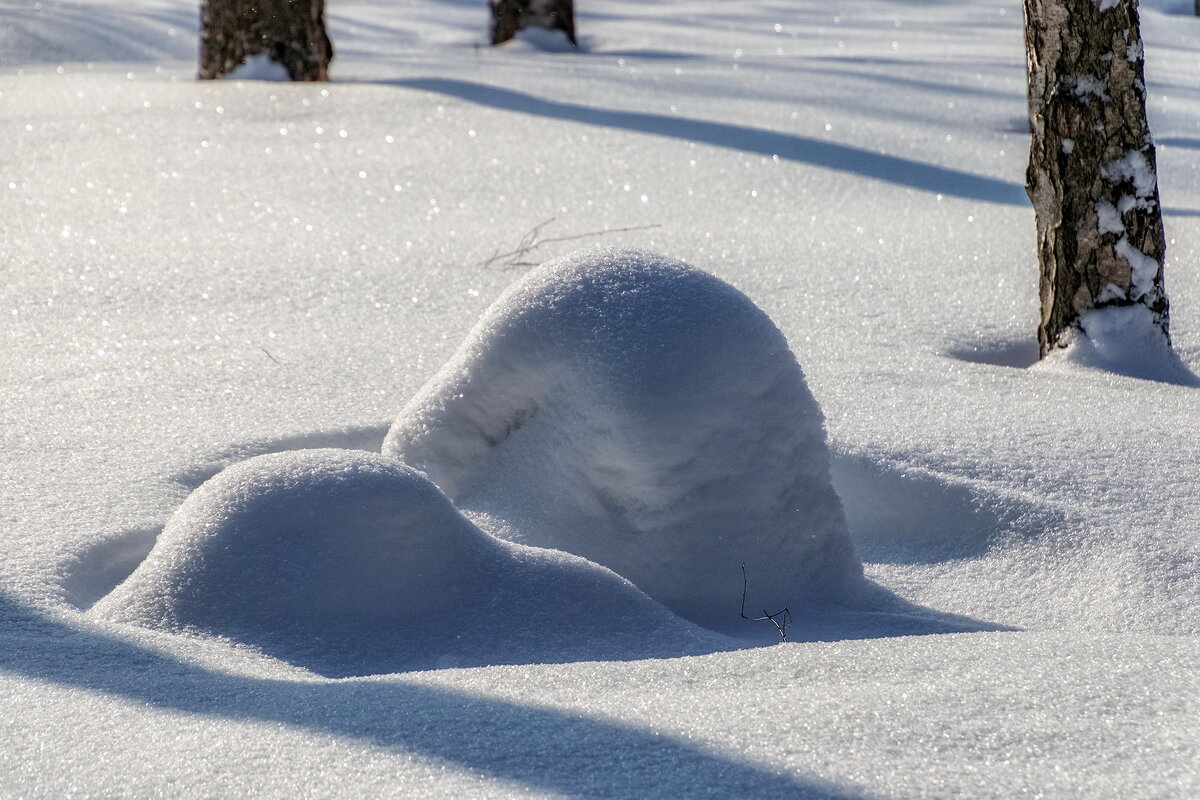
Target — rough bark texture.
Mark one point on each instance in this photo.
(290, 32)
(1092, 170)
(510, 16)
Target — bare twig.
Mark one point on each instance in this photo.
(268, 354)
(532, 241)
(784, 615)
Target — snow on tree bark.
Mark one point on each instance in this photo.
(1092, 169)
(290, 32)
(510, 16)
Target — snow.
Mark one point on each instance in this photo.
(1124, 340)
(645, 415)
(259, 67)
(214, 285)
(1109, 219)
(352, 563)
(1091, 86)
(1133, 168)
(1144, 267)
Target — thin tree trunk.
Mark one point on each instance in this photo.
(290, 32)
(1092, 169)
(510, 16)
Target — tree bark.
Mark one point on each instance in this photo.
(289, 32)
(510, 16)
(1092, 169)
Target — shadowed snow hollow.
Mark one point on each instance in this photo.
(351, 563)
(648, 416)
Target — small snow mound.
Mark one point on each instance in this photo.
(260, 67)
(648, 416)
(350, 563)
(1124, 340)
(541, 40)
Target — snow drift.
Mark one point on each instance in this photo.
(1123, 340)
(350, 563)
(647, 416)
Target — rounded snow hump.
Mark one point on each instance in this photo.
(352, 563)
(649, 417)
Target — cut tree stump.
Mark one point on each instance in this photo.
(510, 16)
(289, 32)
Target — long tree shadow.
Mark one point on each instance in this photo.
(815, 152)
(541, 748)
(1178, 141)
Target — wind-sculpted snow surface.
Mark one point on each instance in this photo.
(352, 563)
(649, 417)
(177, 298)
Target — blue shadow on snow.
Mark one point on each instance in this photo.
(544, 749)
(815, 152)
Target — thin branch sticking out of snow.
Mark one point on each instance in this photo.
(785, 614)
(532, 241)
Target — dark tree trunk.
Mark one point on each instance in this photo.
(510, 16)
(1092, 170)
(290, 32)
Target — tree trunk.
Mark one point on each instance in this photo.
(289, 32)
(1092, 170)
(510, 16)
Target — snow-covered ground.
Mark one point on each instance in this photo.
(197, 274)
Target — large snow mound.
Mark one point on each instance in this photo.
(352, 563)
(647, 416)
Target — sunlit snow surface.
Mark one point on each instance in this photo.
(196, 274)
